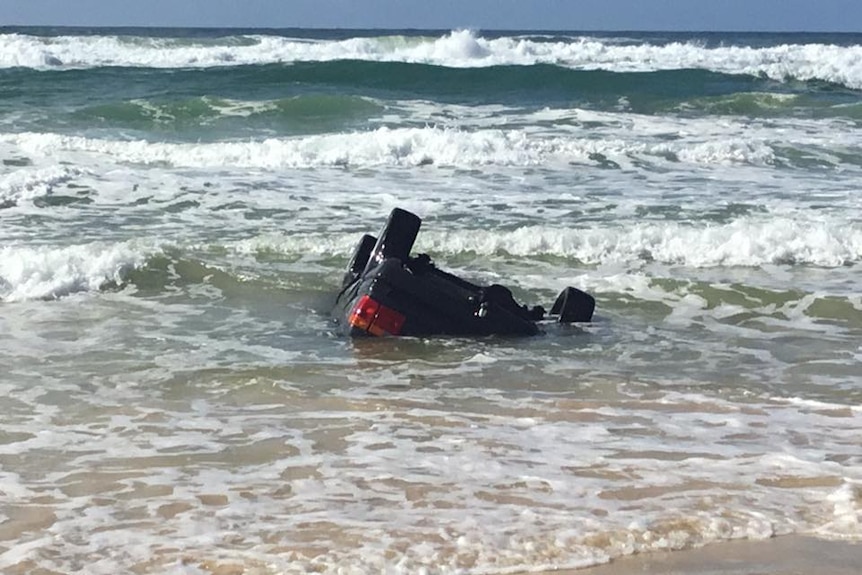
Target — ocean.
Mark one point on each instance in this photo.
(177, 208)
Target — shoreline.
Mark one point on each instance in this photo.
(782, 555)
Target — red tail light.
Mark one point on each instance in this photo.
(375, 318)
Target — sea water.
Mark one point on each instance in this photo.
(177, 208)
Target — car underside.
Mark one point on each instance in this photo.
(386, 291)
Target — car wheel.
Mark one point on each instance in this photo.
(359, 259)
(396, 238)
(574, 305)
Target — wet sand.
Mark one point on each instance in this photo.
(789, 555)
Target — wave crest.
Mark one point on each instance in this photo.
(744, 242)
(824, 62)
(32, 273)
(402, 147)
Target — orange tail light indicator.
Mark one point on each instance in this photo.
(376, 319)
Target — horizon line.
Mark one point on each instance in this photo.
(418, 29)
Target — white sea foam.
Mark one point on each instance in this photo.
(742, 242)
(473, 137)
(28, 183)
(846, 509)
(462, 48)
(372, 480)
(399, 147)
(28, 272)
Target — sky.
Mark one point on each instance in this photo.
(665, 15)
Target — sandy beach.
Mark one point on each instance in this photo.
(788, 555)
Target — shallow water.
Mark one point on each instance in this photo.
(176, 218)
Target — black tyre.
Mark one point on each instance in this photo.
(396, 238)
(573, 305)
(359, 259)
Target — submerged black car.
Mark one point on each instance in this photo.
(386, 291)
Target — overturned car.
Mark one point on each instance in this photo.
(386, 291)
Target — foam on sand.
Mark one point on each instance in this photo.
(778, 556)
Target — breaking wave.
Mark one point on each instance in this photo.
(400, 147)
(458, 49)
(742, 242)
(29, 184)
(31, 272)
